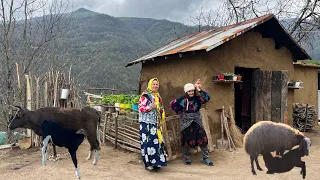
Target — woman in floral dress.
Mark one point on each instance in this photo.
(151, 115)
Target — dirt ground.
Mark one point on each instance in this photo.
(116, 164)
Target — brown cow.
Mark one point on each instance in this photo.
(73, 119)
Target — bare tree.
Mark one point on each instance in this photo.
(300, 17)
(27, 30)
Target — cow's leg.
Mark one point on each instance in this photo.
(90, 154)
(94, 145)
(44, 149)
(75, 162)
(96, 157)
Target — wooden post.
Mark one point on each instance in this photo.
(29, 134)
(46, 92)
(18, 75)
(106, 115)
(116, 130)
(55, 90)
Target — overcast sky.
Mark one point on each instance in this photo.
(174, 10)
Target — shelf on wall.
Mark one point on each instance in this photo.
(226, 81)
(293, 87)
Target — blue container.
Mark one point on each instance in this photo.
(3, 137)
(135, 107)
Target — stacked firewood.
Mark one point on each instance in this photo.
(304, 116)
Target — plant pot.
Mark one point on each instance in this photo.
(117, 105)
(220, 77)
(135, 107)
(297, 84)
(229, 78)
(235, 78)
(215, 78)
(128, 106)
(239, 78)
(122, 106)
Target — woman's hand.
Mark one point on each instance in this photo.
(197, 85)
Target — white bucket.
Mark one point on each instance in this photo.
(297, 84)
(117, 105)
(64, 93)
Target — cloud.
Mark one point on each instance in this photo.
(174, 10)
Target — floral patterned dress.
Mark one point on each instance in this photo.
(152, 151)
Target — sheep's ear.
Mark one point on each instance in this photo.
(304, 146)
(20, 113)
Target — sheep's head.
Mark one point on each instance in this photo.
(305, 145)
(18, 119)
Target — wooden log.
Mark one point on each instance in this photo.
(125, 135)
(123, 146)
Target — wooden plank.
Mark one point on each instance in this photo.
(276, 96)
(266, 98)
(105, 128)
(256, 96)
(284, 97)
(116, 131)
(205, 121)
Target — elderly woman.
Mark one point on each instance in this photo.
(192, 131)
(151, 115)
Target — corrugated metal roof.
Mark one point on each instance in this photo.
(206, 40)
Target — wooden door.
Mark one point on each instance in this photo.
(269, 94)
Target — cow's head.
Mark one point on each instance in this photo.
(18, 118)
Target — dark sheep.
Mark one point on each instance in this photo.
(289, 160)
(61, 137)
(267, 136)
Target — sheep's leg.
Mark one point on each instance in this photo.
(303, 169)
(252, 165)
(54, 151)
(257, 163)
(75, 162)
(44, 149)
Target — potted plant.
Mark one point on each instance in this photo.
(112, 102)
(228, 76)
(135, 102)
(291, 83)
(127, 102)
